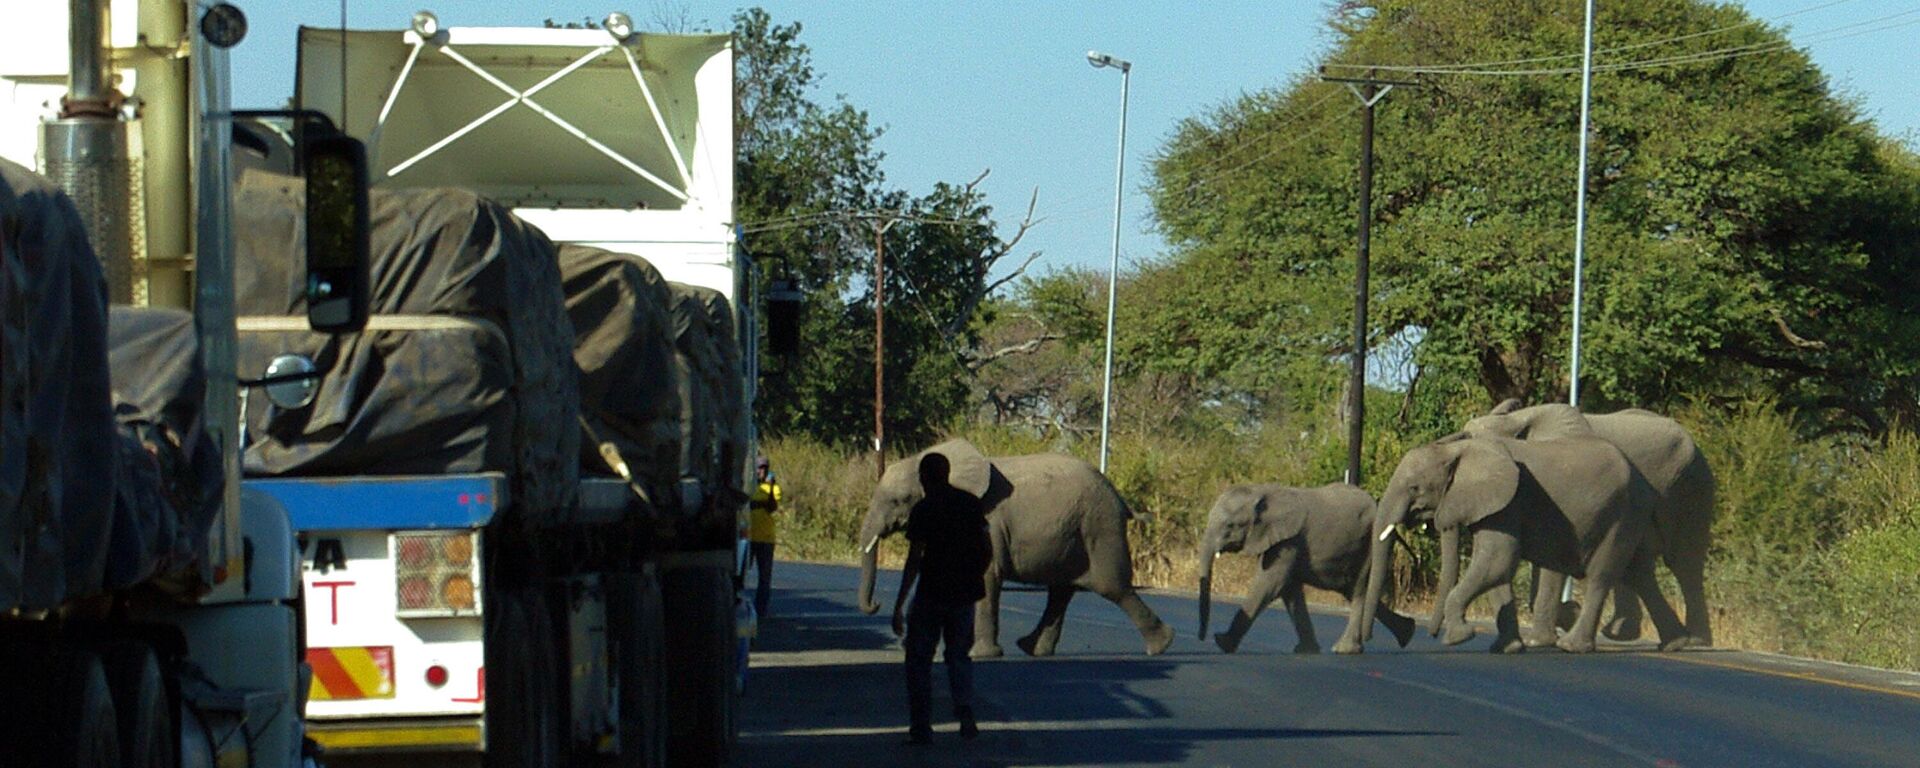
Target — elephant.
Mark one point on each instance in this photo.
(1054, 520)
(1572, 505)
(1303, 537)
(1683, 499)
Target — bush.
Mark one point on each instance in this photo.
(1817, 541)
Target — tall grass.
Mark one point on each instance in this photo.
(1817, 541)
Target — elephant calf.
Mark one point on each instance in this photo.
(1304, 537)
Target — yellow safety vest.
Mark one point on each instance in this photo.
(765, 501)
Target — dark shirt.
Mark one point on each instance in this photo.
(953, 530)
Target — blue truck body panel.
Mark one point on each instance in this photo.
(387, 503)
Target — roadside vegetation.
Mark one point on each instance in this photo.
(1754, 271)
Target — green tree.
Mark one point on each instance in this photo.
(811, 194)
(1749, 232)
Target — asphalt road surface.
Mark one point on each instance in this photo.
(826, 689)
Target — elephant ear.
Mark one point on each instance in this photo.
(1506, 406)
(1485, 478)
(970, 470)
(1276, 518)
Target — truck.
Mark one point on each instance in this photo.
(519, 494)
(149, 601)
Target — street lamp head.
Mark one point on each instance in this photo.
(1099, 60)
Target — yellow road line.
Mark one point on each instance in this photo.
(1683, 657)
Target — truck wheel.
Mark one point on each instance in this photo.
(698, 602)
(79, 729)
(634, 621)
(519, 696)
(140, 699)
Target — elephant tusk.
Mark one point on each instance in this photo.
(1216, 554)
(871, 544)
(1388, 533)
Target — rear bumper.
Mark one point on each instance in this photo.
(437, 734)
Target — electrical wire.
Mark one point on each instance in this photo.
(1323, 125)
(1826, 35)
(1437, 68)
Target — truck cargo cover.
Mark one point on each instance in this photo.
(624, 345)
(466, 365)
(56, 420)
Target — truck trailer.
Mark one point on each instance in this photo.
(519, 494)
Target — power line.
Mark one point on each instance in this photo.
(1826, 35)
(1323, 125)
(1438, 68)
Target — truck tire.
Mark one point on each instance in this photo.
(698, 603)
(520, 705)
(79, 729)
(140, 699)
(634, 622)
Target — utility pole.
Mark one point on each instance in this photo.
(1580, 208)
(880, 346)
(1370, 90)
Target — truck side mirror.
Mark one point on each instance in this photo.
(783, 317)
(335, 166)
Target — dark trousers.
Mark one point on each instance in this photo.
(928, 624)
(763, 563)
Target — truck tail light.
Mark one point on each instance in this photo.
(436, 574)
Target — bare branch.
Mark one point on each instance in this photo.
(1023, 348)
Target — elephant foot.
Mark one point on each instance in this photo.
(1508, 645)
(1539, 638)
(1401, 627)
(1347, 647)
(1306, 647)
(1622, 629)
(1457, 632)
(1572, 644)
(1158, 639)
(986, 651)
(1034, 645)
(1676, 644)
(1228, 643)
(1568, 616)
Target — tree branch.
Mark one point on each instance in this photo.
(1795, 339)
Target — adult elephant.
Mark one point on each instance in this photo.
(1682, 501)
(1054, 520)
(1573, 505)
(1304, 537)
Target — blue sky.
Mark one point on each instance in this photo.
(964, 87)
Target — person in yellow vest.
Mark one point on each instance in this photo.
(761, 532)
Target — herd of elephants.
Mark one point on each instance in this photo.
(1599, 497)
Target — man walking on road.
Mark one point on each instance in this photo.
(948, 553)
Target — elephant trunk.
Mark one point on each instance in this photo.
(1449, 575)
(869, 563)
(1379, 559)
(1207, 554)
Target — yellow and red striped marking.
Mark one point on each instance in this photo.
(351, 673)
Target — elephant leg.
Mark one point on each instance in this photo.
(1046, 634)
(1492, 566)
(1547, 586)
(1690, 572)
(1604, 569)
(1506, 620)
(1400, 625)
(1158, 635)
(1625, 622)
(986, 620)
(1269, 584)
(1640, 577)
(1296, 599)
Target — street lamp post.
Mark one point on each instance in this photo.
(1099, 61)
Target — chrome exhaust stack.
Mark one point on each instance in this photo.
(94, 154)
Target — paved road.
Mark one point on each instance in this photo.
(825, 690)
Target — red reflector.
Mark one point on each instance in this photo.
(415, 552)
(466, 498)
(436, 676)
(416, 593)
